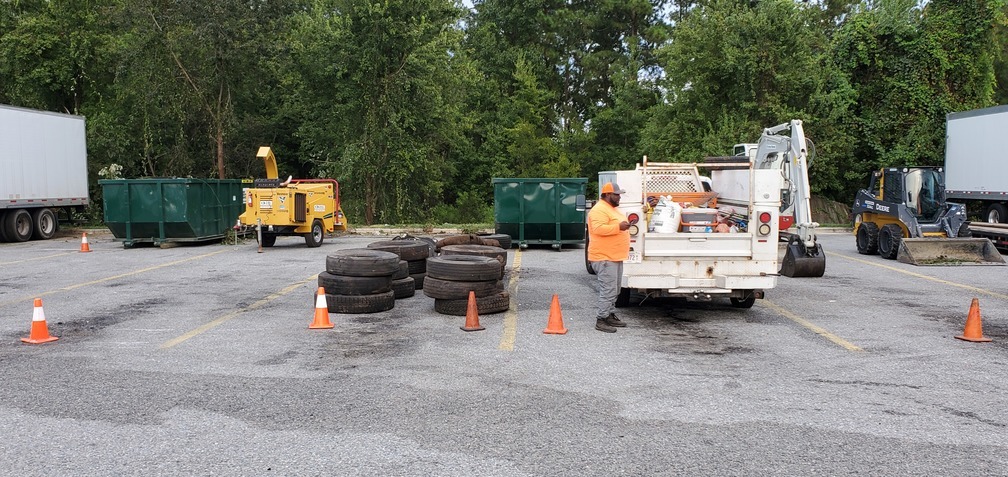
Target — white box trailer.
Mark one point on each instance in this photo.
(43, 170)
(692, 262)
(976, 160)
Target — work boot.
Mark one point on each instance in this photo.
(601, 325)
(611, 320)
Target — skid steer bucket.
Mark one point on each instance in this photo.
(802, 261)
(948, 251)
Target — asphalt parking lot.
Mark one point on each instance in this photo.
(198, 360)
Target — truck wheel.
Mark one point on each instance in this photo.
(316, 236)
(889, 241)
(45, 224)
(997, 214)
(19, 225)
(268, 240)
(746, 302)
(867, 238)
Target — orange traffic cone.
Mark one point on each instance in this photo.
(555, 325)
(39, 329)
(321, 312)
(84, 247)
(472, 315)
(974, 325)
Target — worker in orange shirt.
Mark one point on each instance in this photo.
(608, 247)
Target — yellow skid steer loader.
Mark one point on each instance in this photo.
(903, 215)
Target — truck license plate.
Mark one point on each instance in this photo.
(265, 204)
(635, 257)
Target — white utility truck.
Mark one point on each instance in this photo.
(690, 258)
(44, 168)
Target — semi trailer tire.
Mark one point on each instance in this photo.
(45, 224)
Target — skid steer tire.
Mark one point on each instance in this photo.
(357, 304)
(889, 241)
(457, 290)
(504, 240)
(408, 250)
(417, 266)
(403, 271)
(867, 238)
(349, 285)
(486, 305)
(403, 288)
(362, 262)
(464, 268)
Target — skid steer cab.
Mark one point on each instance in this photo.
(903, 215)
(308, 208)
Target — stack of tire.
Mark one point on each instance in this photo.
(359, 280)
(450, 278)
(411, 275)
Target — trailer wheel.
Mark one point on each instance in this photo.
(19, 225)
(867, 238)
(268, 240)
(45, 224)
(316, 236)
(997, 214)
(3, 226)
(889, 241)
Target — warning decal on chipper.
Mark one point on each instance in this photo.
(265, 204)
(319, 207)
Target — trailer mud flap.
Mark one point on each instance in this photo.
(949, 251)
(802, 261)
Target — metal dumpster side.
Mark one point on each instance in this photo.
(170, 210)
(540, 210)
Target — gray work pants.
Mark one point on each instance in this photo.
(609, 275)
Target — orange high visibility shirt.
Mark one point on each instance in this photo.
(605, 240)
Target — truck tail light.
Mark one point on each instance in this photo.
(764, 226)
(633, 218)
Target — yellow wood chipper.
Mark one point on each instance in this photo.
(309, 208)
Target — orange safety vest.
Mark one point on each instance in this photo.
(605, 240)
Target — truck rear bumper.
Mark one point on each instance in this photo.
(718, 284)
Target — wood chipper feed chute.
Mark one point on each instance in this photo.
(948, 251)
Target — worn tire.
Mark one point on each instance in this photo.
(867, 238)
(44, 223)
(357, 304)
(403, 288)
(406, 249)
(403, 271)
(484, 305)
(417, 266)
(418, 280)
(456, 290)
(463, 268)
(480, 250)
(889, 238)
(362, 262)
(462, 239)
(503, 239)
(349, 285)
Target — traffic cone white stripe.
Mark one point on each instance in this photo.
(38, 314)
(320, 301)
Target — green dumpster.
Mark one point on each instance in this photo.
(540, 211)
(171, 210)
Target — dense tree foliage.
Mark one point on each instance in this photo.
(415, 106)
